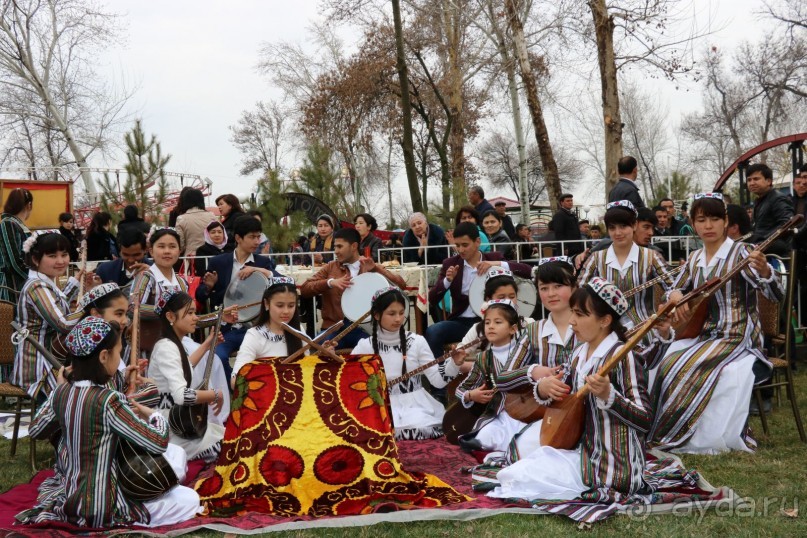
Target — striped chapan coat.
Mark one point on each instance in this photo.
(13, 271)
(43, 309)
(93, 419)
(612, 446)
(685, 379)
(643, 264)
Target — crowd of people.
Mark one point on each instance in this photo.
(685, 395)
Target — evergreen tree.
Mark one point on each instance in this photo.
(272, 204)
(145, 186)
(682, 187)
(321, 179)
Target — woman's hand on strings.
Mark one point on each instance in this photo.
(552, 387)
(681, 312)
(230, 314)
(600, 386)
(140, 409)
(458, 356)
(760, 264)
(481, 395)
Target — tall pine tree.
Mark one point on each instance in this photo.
(145, 184)
(282, 228)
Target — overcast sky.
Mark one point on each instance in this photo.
(193, 65)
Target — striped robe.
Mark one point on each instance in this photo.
(685, 379)
(43, 310)
(93, 419)
(146, 286)
(612, 446)
(485, 368)
(547, 350)
(13, 270)
(647, 264)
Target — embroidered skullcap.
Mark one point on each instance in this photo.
(86, 335)
(278, 280)
(561, 259)
(154, 229)
(29, 243)
(714, 195)
(384, 291)
(96, 293)
(610, 294)
(505, 302)
(165, 295)
(493, 272)
(624, 204)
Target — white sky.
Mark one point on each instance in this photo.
(193, 64)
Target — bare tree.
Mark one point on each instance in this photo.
(45, 53)
(258, 136)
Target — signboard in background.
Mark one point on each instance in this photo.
(50, 199)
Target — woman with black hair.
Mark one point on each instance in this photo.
(416, 415)
(230, 209)
(366, 224)
(192, 223)
(101, 245)
(322, 241)
(492, 224)
(13, 232)
(468, 213)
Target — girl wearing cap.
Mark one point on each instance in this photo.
(507, 351)
(43, 309)
(416, 414)
(93, 418)
(268, 338)
(702, 386)
(626, 264)
(608, 464)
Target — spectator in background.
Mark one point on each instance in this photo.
(265, 246)
(585, 228)
(422, 235)
(526, 249)
(799, 199)
(626, 188)
(394, 241)
(739, 223)
(507, 222)
(191, 224)
(132, 259)
(492, 224)
(366, 224)
(101, 245)
(771, 209)
(132, 221)
(566, 228)
(215, 242)
(322, 240)
(230, 209)
(595, 233)
(467, 213)
(297, 249)
(476, 196)
(749, 210)
(13, 233)
(67, 229)
(178, 209)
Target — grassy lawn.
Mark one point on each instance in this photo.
(775, 474)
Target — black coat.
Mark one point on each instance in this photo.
(800, 208)
(71, 236)
(770, 212)
(134, 224)
(508, 227)
(625, 189)
(431, 256)
(229, 227)
(566, 228)
(99, 246)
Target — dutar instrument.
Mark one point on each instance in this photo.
(438, 360)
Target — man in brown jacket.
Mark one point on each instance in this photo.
(336, 276)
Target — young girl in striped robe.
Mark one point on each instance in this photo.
(702, 386)
(94, 419)
(608, 464)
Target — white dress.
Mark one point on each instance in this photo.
(259, 342)
(165, 368)
(218, 381)
(415, 413)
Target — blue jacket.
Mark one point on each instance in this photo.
(222, 265)
(112, 271)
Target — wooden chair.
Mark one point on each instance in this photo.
(782, 376)
(7, 390)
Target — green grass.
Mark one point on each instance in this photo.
(776, 472)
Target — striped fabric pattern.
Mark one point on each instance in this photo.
(685, 379)
(13, 271)
(147, 288)
(650, 265)
(43, 310)
(93, 419)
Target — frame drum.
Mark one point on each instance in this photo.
(527, 296)
(358, 298)
(246, 291)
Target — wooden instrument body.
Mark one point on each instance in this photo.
(460, 420)
(143, 476)
(520, 404)
(564, 421)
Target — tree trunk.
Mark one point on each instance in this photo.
(548, 164)
(389, 183)
(456, 142)
(612, 121)
(407, 143)
(515, 105)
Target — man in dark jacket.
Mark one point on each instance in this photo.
(421, 234)
(132, 259)
(626, 188)
(131, 221)
(800, 239)
(507, 222)
(564, 224)
(476, 196)
(771, 208)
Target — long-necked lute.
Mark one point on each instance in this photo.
(190, 421)
(692, 326)
(142, 476)
(564, 420)
(412, 373)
